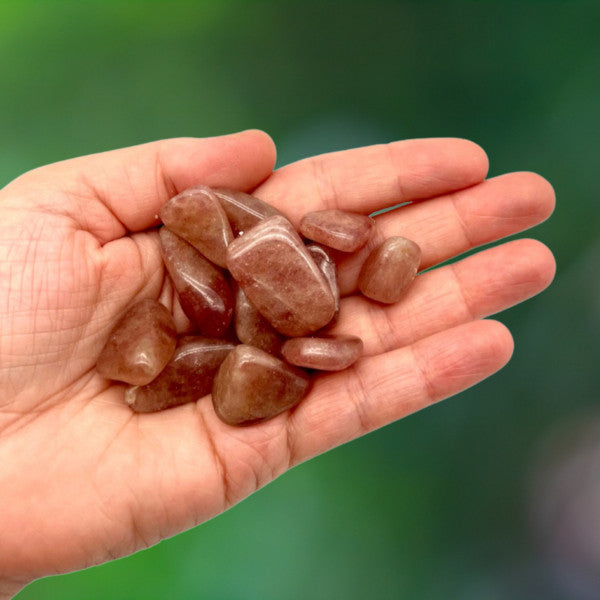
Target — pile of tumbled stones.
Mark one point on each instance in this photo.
(260, 300)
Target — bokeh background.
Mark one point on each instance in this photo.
(492, 494)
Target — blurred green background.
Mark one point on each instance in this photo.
(456, 501)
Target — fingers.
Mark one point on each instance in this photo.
(368, 179)
(455, 223)
(381, 389)
(342, 406)
(477, 286)
(114, 192)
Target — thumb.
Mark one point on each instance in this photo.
(112, 193)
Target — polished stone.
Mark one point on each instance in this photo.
(326, 353)
(187, 377)
(252, 328)
(253, 386)
(329, 269)
(338, 229)
(389, 269)
(204, 294)
(244, 210)
(280, 277)
(197, 216)
(140, 344)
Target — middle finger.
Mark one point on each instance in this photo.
(449, 225)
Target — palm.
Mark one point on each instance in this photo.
(85, 480)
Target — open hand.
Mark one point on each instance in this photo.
(84, 479)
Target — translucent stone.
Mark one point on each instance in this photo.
(280, 278)
(197, 216)
(327, 353)
(389, 270)
(252, 386)
(188, 376)
(337, 229)
(140, 344)
(205, 295)
(243, 210)
(329, 270)
(252, 328)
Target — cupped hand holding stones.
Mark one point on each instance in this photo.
(84, 478)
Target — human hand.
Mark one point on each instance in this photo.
(84, 480)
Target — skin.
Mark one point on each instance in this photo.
(83, 479)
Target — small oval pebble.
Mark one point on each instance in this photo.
(205, 295)
(280, 277)
(197, 216)
(140, 345)
(252, 386)
(188, 376)
(389, 270)
(326, 353)
(338, 229)
(252, 328)
(243, 210)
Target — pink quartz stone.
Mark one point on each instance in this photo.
(329, 270)
(187, 377)
(197, 216)
(337, 229)
(140, 345)
(327, 353)
(280, 277)
(252, 328)
(389, 270)
(205, 295)
(252, 386)
(243, 210)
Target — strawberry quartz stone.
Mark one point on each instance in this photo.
(337, 229)
(197, 216)
(389, 269)
(140, 344)
(280, 278)
(252, 386)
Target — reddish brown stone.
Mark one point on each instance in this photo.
(252, 386)
(205, 295)
(280, 277)
(243, 210)
(252, 328)
(188, 376)
(140, 345)
(389, 270)
(337, 229)
(197, 216)
(329, 270)
(326, 353)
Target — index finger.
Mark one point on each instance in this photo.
(372, 178)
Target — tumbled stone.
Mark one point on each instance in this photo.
(252, 386)
(389, 269)
(338, 229)
(186, 378)
(197, 216)
(243, 210)
(329, 270)
(140, 344)
(252, 328)
(280, 277)
(204, 294)
(326, 353)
